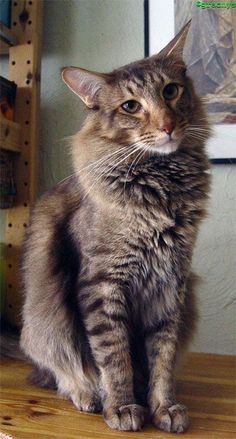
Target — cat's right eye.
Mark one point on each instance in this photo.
(131, 106)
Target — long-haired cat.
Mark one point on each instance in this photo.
(109, 300)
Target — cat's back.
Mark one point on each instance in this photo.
(50, 216)
(49, 258)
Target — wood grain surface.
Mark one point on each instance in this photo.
(206, 384)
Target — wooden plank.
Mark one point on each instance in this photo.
(28, 411)
(9, 135)
(199, 367)
(24, 70)
(213, 388)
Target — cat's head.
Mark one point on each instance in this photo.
(147, 105)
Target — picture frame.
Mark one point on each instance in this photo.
(159, 29)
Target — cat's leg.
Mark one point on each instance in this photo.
(106, 322)
(60, 365)
(83, 397)
(80, 391)
(69, 383)
(162, 345)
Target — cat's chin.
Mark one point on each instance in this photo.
(166, 148)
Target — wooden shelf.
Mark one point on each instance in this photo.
(24, 70)
(7, 39)
(9, 135)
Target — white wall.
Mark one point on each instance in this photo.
(94, 34)
(215, 261)
(101, 35)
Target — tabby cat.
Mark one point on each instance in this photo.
(109, 300)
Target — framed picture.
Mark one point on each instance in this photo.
(210, 54)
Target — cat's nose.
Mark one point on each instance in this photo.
(168, 126)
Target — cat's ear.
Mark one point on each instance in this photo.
(176, 46)
(83, 83)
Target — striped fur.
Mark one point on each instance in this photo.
(109, 294)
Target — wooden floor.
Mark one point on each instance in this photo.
(206, 385)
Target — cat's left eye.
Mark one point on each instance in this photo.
(131, 106)
(170, 91)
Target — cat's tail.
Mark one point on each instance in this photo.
(10, 345)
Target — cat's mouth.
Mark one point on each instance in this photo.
(164, 146)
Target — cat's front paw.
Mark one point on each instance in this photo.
(172, 419)
(127, 417)
(87, 402)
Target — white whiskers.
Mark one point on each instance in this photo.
(144, 149)
(101, 169)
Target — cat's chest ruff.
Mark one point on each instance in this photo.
(148, 240)
(157, 234)
(147, 221)
(155, 268)
(156, 214)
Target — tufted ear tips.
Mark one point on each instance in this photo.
(176, 46)
(83, 83)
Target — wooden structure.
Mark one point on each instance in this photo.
(206, 384)
(22, 135)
